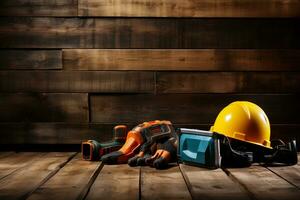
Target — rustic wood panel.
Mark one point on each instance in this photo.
(20, 184)
(38, 8)
(190, 8)
(289, 173)
(187, 108)
(182, 59)
(116, 182)
(53, 133)
(41, 107)
(30, 59)
(227, 82)
(148, 33)
(69, 182)
(11, 164)
(163, 184)
(76, 81)
(211, 184)
(263, 184)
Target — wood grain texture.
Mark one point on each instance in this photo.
(182, 59)
(289, 173)
(228, 82)
(69, 182)
(211, 184)
(263, 184)
(53, 133)
(149, 33)
(43, 107)
(16, 161)
(24, 181)
(30, 59)
(190, 8)
(187, 108)
(76, 81)
(116, 182)
(163, 184)
(38, 8)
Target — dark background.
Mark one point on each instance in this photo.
(70, 71)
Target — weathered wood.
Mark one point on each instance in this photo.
(163, 184)
(24, 181)
(289, 173)
(228, 82)
(4, 154)
(211, 184)
(38, 8)
(116, 182)
(187, 108)
(53, 133)
(69, 182)
(182, 59)
(190, 8)
(148, 33)
(76, 81)
(43, 107)
(263, 184)
(12, 163)
(30, 59)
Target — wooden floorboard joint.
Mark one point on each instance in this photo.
(242, 186)
(296, 186)
(86, 189)
(50, 175)
(187, 182)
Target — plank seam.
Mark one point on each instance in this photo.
(296, 186)
(85, 191)
(22, 167)
(187, 182)
(49, 176)
(242, 185)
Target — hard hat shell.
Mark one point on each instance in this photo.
(245, 121)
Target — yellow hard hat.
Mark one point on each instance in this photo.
(245, 121)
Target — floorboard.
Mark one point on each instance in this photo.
(163, 184)
(21, 183)
(116, 182)
(70, 182)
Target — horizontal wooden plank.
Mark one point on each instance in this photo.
(228, 82)
(116, 182)
(19, 135)
(53, 133)
(190, 8)
(38, 8)
(182, 59)
(20, 184)
(76, 81)
(149, 33)
(187, 108)
(43, 107)
(263, 184)
(211, 184)
(30, 59)
(69, 182)
(163, 184)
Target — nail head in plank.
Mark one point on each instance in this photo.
(116, 182)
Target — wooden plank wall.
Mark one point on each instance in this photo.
(72, 69)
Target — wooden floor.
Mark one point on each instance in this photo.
(64, 175)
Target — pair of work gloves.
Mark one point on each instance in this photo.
(151, 143)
